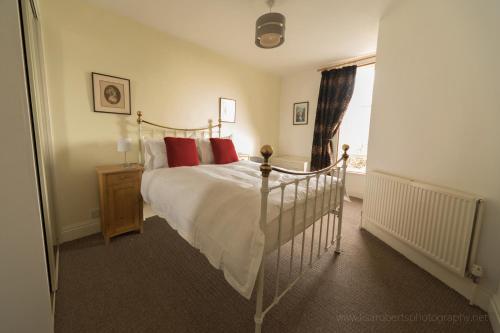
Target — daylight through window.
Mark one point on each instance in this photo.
(356, 123)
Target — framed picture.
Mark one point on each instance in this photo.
(111, 94)
(227, 110)
(300, 113)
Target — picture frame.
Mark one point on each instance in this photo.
(300, 113)
(111, 94)
(227, 110)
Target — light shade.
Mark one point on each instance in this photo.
(270, 30)
(124, 145)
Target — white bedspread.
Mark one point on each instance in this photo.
(216, 209)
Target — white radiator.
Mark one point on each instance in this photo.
(291, 162)
(438, 222)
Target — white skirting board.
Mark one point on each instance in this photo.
(464, 286)
(90, 227)
(79, 230)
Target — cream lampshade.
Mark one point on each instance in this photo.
(124, 145)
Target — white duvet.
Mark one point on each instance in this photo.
(216, 209)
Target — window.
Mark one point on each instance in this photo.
(356, 123)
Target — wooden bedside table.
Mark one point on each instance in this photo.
(120, 199)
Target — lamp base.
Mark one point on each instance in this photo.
(125, 163)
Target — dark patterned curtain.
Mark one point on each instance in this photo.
(335, 92)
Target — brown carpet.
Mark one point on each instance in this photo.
(156, 282)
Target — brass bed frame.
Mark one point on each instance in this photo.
(337, 171)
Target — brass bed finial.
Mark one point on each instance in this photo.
(266, 151)
(345, 148)
(139, 117)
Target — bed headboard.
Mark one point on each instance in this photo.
(149, 129)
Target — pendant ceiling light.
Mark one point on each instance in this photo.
(270, 29)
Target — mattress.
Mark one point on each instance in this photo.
(216, 208)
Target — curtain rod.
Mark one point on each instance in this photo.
(359, 61)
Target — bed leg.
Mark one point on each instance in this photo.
(345, 157)
(259, 318)
(339, 234)
(265, 168)
(339, 223)
(258, 327)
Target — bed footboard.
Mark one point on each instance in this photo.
(337, 181)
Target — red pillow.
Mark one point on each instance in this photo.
(181, 152)
(224, 151)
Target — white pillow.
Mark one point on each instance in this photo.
(148, 158)
(155, 154)
(205, 151)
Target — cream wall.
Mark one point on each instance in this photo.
(298, 87)
(296, 140)
(172, 82)
(436, 111)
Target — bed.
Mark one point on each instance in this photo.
(238, 213)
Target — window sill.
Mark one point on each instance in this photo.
(356, 172)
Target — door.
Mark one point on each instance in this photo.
(24, 289)
(41, 125)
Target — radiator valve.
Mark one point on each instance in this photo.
(476, 271)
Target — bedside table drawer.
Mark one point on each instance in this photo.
(124, 177)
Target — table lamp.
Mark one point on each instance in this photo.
(123, 146)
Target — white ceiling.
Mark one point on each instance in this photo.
(318, 32)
